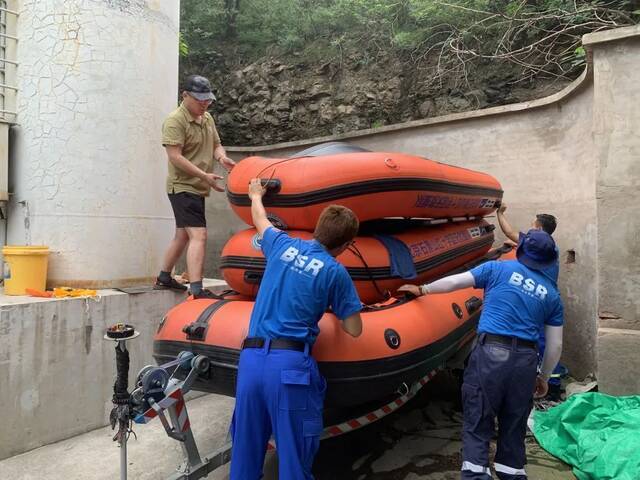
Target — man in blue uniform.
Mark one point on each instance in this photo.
(547, 223)
(280, 390)
(500, 378)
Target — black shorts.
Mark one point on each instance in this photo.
(188, 208)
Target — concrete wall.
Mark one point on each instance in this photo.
(616, 123)
(616, 57)
(618, 362)
(574, 154)
(56, 370)
(96, 79)
(4, 163)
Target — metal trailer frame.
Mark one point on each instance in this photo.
(159, 392)
(178, 427)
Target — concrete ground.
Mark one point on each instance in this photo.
(420, 441)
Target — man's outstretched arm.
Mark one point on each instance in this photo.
(506, 228)
(174, 152)
(444, 285)
(258, 213)
(552, 353)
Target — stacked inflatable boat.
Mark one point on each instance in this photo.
(436, 229)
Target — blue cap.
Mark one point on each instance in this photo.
(537, 250)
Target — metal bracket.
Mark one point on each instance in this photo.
(170, 429)
(178, 426)
(208, 464)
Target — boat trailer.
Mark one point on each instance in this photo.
(159, 391)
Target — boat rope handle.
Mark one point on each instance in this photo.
(273, 165)
(353, 249)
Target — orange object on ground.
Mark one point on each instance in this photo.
(401, 341)
(38, 293)
(64, 292)
(373, 184)
(435, 250)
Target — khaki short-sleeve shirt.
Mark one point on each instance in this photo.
(198, 141)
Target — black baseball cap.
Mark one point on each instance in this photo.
(199, 88)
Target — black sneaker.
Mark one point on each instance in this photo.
(555, 393)
(208, 294)
(170, 285)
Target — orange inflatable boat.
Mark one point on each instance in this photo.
(402, 340)
(433, 250)
(373, 184)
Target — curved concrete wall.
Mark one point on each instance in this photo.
(573, 154)
(96, 79)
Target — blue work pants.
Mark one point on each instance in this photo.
(279, 392)
(498, 384)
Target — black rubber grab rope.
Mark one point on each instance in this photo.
(363, 188)
(353, 249)
(366, 273)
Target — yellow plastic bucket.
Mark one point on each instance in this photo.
(24, 267)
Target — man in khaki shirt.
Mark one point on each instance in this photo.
(192, 143)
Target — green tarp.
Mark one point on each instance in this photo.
(599, 435)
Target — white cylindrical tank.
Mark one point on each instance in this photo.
(96, 79)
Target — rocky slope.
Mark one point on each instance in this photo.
(274, 101)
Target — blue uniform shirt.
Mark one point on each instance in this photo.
(300, 282)
(518, 301)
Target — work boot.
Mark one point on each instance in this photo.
(204, 293)
(171, 284)
(555, 392)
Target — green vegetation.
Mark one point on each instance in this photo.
(539, 37)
